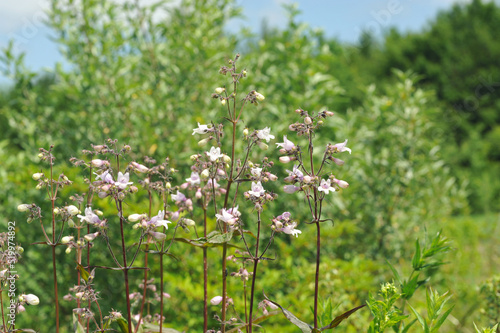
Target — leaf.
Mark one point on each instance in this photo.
(27, 330)
(304, 327)
(416, 261)
(76, 325)
(420, 319)
(442, 319)
(395, 272)
(123, 325)
(215, 238)
(155, 328)
(407, 327)
(335, 322)
(83, 273)
(255, 321)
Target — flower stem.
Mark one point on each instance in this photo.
(125, 268)
(254, 275)
(316, 279)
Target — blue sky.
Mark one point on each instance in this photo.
(23, 21)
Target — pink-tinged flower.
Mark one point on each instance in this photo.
(325, 186)
(337, 161)
(139, 167)
(178, 197)
(286, 144)
(194, 179)
(341, 183)
(229, 216)
(158, 235)
(340, 147)
(122, 181)
(159, 220)
(214, 154)
(289, 229)
(216, 300)
(91, 237)
(89, 217)
(23, 207)
(295, 173)
(202, 129)
(286, 159)
(256, 172)
(136, 217)
(265, 134)
(257, 189)
(105, 177)
(290, 189)
(98, 163)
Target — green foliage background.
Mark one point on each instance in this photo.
(420, 110)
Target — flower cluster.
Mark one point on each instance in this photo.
(283, 223)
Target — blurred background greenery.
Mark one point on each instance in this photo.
(421, 111)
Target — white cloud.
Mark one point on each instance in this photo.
(14, 16)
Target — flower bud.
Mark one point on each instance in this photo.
(245, 132)
(320, 122)
(193, 157)
(244, 73)
(91, 237)
(23, 207)
(308, 120)
(286, 159)
(139, 167)
(135, 217)
(68, 250)
(203, 142)
(71, 223)
(72, 210)
(290, 189)
(204, 174)
(168, 185)
(31, 299)
(216, 300)
(259, 97)
(97, 163)
(66, 239)
(189, 222)
(262, 145)
(40, 155)
(39, 186)
(37, 176)
(219, 90)
(223, 102)
(307, 179)
(226, 158)
(56, 211)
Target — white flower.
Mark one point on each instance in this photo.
(158, 235)
(91, 237)
(90, 216)
(230, 216)
(159, 220)
(178, 197)
(72, 210)
(257, 189)
(105, 177)
(214, 154)
(341, 183)
(259, 97)
(340, 147)
(37, 176)
(290, 229)
(286, 144)
(122, 180)
(325, 186)
(202, 129)
(265, 134)
(219, 90)
(256, 172)
(295, 173)
(194, 179)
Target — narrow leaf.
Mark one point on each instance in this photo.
(395, 272)
(304, 327)
(335, 322)
(407, 327)
(415, 263)
(442, 319)
(123, 325)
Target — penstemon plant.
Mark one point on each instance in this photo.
(132, 210)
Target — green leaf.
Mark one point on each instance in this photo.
(254, 321)
(155, 328)
(335, 322)
(123, 325)
(77, 327)
(395, 272)
(407, 327)
(83, 273)
(416, 261)
(304, 327)
(408, 288)
(420, 319)
(441, 320)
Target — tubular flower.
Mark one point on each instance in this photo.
(202, 129)
(325, 186)
(265, 134)
(286, 144)
(257, 189)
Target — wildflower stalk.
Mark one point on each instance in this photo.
(125, 267)
(205, 269)
(254, 275)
